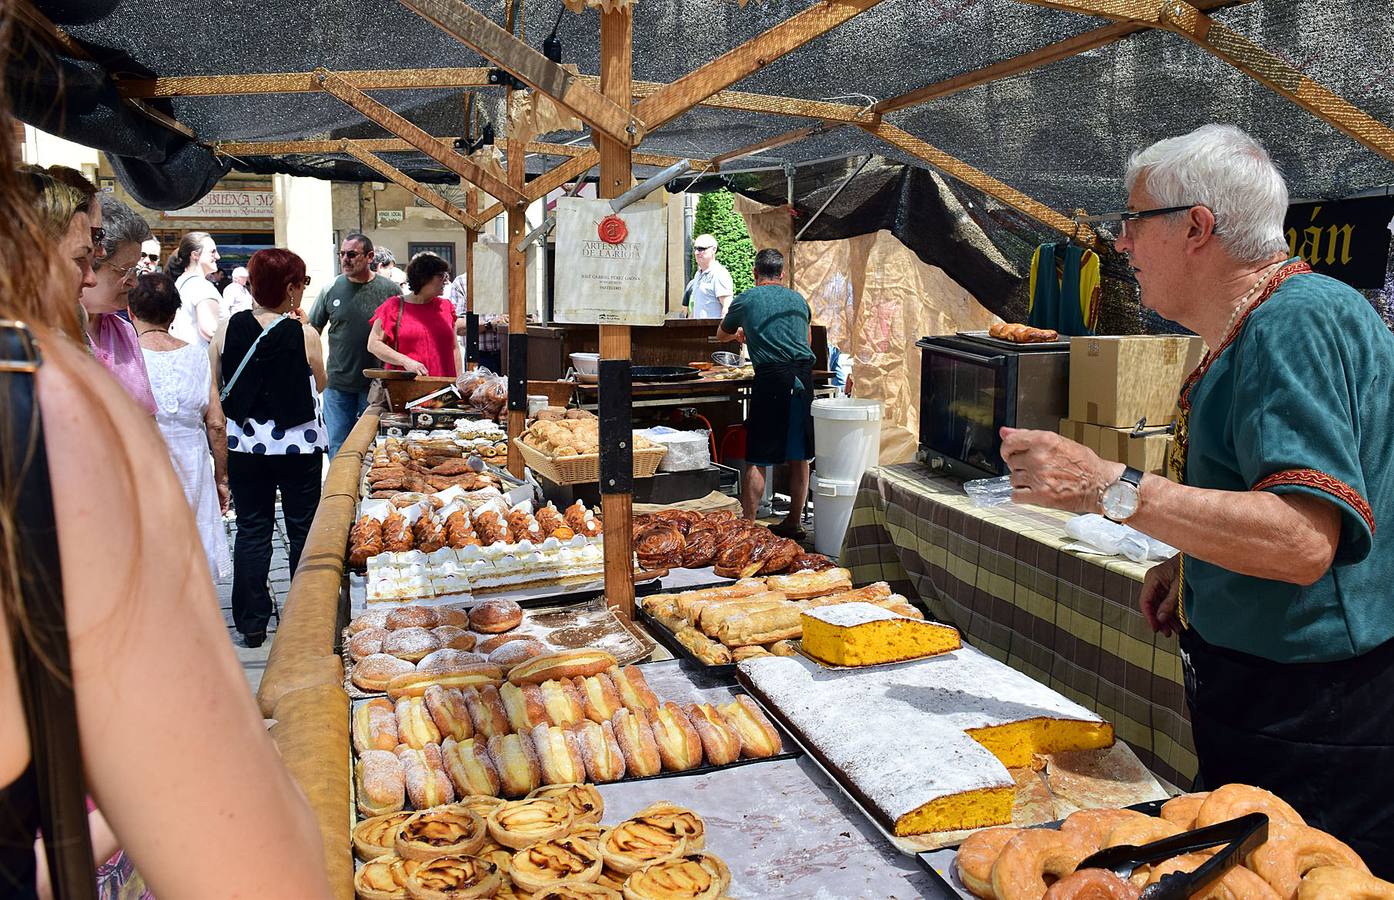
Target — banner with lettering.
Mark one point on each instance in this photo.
(610, 267)
(1346, 239)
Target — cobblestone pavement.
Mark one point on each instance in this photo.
(254, 660)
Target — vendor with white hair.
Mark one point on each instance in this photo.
(1281, 473)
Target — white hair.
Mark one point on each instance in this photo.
(1227, 171)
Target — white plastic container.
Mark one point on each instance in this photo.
(536, 403)
(847, 437)
(688, 451)
(586, 363)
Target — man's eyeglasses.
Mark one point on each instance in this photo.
(351, 254)
(152, 257)
(1107, 221)
(702, 249)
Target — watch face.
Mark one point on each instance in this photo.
(1120, 500)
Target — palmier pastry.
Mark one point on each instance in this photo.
(600, 699)
(448, 711)
(440, 832)
(562, 664)
(414, 683)
(562, 702)
(375, 726)
(759, 739)
(447, 660)
(373, 618)
(634, 690)
(428, 784)
(515, 652)
(637, 744)
(384, 878)
(454, 878)
(514, 757)
(541, 865)
(486, 711)
(453, 637)
(525, 822)
(633, 844)
(721, 743)
(374, 673)
(692, 876)
(377, 836)
(495, 616)
(470, 768)
(411, 644)
(381, 783)
(559, 755)
(415, 726)
(678, 744)
(411, 617)
(366, 642)
(523, 705)
(577, 890)
(600, 751)
(587, 807)
(482, 806)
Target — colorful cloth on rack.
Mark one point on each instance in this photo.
(1064, 297)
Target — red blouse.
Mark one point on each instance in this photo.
(426, 332)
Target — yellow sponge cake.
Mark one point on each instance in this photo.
(863, 634)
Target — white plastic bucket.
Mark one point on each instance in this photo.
(833, 500)
(847, 437)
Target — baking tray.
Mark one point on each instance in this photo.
(660, 633)
(982, 337)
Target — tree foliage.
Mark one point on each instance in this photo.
(716, 216)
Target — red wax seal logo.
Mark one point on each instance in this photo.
(612, 230)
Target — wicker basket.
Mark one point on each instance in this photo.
(584, 469)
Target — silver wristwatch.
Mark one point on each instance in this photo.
(1120, 499)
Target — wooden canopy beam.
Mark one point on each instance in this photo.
(781, 140)
(299, 82)
(671, 101)
(476, 31)
(561, 175)
(404, 181)
(420, 140)
(397, 145)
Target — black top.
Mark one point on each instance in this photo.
(19, 826)
(274, 386)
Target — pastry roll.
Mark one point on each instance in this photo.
(384, 878)
(587, 806)
(599, 697)
(381, 783)
(713, 653)
(414, 724)
(634, 690)
(516, 760)
(428, 784)
(377, 836)
(637, 744)
(454, 878)
(486, 711)
(759, 739)
(561, 664)
(375, 672)
(562, 702)
(471, 770)
(544, 864)
(440, 832)
(600, 751)
(678, 744)
(448, 711)
(525, 822)
(782, 648)
(523, 705)
(375, 726)
(741, 653)
(721, 743)
(414, 683)
(559, 755)
(761, 627)
(689, 876)
(811, 584)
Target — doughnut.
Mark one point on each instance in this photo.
(1136, 832)
(599, 696)
(496, 616)
(411, 644)
(523, 705)
(366, 643)
(976, 855)
(411, 617)
(1292, 850)
(1091, 884)
(518, 650)
(454, 637)
(375, 618)
(450, 615)
(447, 659)
(600, 750)
(1021, 869)
(1238, 883)
(637, 743)
(1181, 811)
(1234, 800)
(1342, 883)
(559, 755)
(1092, 826)
(493, 642)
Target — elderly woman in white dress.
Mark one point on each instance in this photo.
(187, 411)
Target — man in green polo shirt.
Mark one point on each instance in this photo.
(1282, 591)
(346, 305)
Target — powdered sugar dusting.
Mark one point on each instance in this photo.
(848, 614)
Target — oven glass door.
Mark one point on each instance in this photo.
(968, 402)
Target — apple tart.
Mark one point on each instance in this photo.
(377, 836)
(584, 800)
(578, 890)
(384, 878)
(693, 876)
(541, 865)
(454, 878)
(523, 822)
(453, 831)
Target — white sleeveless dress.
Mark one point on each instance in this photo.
(180, 380)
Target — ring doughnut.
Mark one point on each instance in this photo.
(1137, 832)
(1293, 850)
(1091, 884)
(1181, 811)
(1236, 884)
(1021, 869)
(1092, 826)
(976, 855)
(1342, 883)
(1235, 800)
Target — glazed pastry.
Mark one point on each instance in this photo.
(428, 784)
(482, 806)
(381, 783)
(676, 820)
(633, 844)
(516, 651)
(448, 711)
(396, 533)
(678, 743)
(502, 858)
(611, 878)
(587, 807)
(366, 642)
(410, 644)
(634, 690)
(600, 699)
(637, 744)
(486, 711)
(590, 832)
(559, 755)
(541, 865)
(469, 767)
(600, 751)
(453, 637)
(759, 739)
(414, 683)
(375, 672)
(446, 660)
(414, 724)
(454, 878)
(375, 726)
(412, 617)
(376, 618)
(721, 743)
(429, 532)
(524, 822)
(693, 876)
(376, 836)
(384, 878)
(562, 664)
(523, 705)
(562, 702)
(440, 832)
(495, 616)
(519, 770)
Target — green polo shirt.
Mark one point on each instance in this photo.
(775, 320)
(1300, 403)
(346, 306)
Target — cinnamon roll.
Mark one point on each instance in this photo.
(525, 822)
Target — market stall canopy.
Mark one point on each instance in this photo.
(1012, 96)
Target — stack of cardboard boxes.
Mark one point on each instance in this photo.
(1123, 394)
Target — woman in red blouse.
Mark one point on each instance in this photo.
(416, 332)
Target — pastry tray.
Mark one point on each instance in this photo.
(660, 633)
(1027, 346)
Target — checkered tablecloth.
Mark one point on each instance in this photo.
(1003, 577)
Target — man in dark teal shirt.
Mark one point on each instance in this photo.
(774, 324)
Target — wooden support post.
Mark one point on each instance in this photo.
(616, 176)
(472, 210)
(517, 305)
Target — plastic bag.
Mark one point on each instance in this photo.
(986, 492)
(687, 450)
(1097, 534)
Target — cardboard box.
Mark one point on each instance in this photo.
(1147, 452)
(1117, 381)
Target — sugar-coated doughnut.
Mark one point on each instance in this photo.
(1091, 884)
(1181, 811)
(1029, 857)
(1292, 850)
(1343, 883)
(976, 855)
(1234, 800)
(1092, 826)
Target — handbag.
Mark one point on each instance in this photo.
(43, 664)
(227, 388)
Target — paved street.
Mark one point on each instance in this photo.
(254, 661)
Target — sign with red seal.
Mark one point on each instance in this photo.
(612, 229)
(611, 267)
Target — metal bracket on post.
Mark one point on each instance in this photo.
(471, 337)
(616, 428)
(518, 371)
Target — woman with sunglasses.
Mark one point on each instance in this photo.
(270, 369)
(111, 338)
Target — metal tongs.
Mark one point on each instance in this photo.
(1242, 835)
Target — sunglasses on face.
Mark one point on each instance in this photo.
(152, 257)
(703, 249)
(351, 254)
(124, 272)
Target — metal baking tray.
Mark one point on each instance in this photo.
(982, 336)
(660, 633)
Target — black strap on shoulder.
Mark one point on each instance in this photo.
(40, 642)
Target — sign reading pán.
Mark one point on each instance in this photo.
(1346, 239)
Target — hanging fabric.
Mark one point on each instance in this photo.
(1064, 289)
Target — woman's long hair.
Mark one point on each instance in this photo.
(189, 244)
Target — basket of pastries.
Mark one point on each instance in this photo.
(567, 451)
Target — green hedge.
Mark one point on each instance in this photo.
(716, 216)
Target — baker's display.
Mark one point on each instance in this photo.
(735, 547)
(421, 466)
(863, 634)
(1022, 334)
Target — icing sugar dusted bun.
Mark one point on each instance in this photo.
(411, 644)
(600, 750)
(520, 771)
(559, 755)
(637, 744)
(366, 642)
(495, 616)
(678, 743)
(449, 712)
(454, 637)
(414, 683)
(516, 651)
(446, 659)
(375, 672)
(721, 743)
(523, 705)
(411, 617)
(634, 690)
(471, 770)
(373, 618)
(562, 664)
(486, 711)
(599, 696)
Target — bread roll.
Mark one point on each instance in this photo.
(381, 783)
(375, 726)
